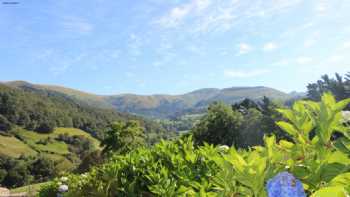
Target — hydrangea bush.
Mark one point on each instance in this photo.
(306, 166)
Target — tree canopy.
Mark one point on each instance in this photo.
(123, 137)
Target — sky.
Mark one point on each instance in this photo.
(173, 46)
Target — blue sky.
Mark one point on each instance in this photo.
(173, 46)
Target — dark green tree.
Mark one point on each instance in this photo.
(123, 137)
(91, 159)
(219, 126)
(5, 125)
(251, 133)
(338, 86)
(42, 169)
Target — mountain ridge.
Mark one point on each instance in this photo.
(162, 105)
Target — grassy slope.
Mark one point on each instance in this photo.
(31, 138)
(13, 147)
(31, 189)
(55, 150)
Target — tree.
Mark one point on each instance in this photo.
(43, 168)
(270, 117)
(91, 159)
(5, 125)
(123, 137)
(251, 133)
(338, 86)
(219, 126)
(46, 127)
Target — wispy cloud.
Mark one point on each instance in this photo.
(78, 25)
(281, 63)
(135, 44)
(59, 69)
(303, 60)
(270, 46)
(335, 58)
(177, 15)
(321, 6)
(312, 39)
(309, 42)
(346, 44)
(244, 48)
(220, 15)
(238, 73)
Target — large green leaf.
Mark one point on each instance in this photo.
(336, 191)
(287, 127)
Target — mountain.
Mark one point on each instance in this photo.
(162, 105)
(82, 97)
(38, 108)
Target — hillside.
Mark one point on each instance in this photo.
(41, 110)
(160, 105)
(45, 132)
(84, 97)
(29, 143)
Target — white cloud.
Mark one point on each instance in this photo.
(335, 58)
(129, 74)
(281, 63)
(135, 44)
(303, 60)
(244, 73)
(321, 6)
(77, 25)
(312, 39)
(244, 48)
(196, 50)
(347, 44)
(270, 46)
(59, 69)
(220, 15)
(177, 15)
(309, 42)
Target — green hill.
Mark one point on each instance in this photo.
(160, 105)
(34, 108)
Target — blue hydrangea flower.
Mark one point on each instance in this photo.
(285, 184)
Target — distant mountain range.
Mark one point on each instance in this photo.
(162, 105)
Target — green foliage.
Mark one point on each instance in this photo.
(5, 125)
(219, 126)
(247, 122)
(21, 171)
(123, 137)
(179, 168)
(339, 87)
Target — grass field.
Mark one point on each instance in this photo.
(30, 189)
(53, 146)
(32, 139)
(63, 164)
(74, 131)
(27, 144)
(13, 147)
